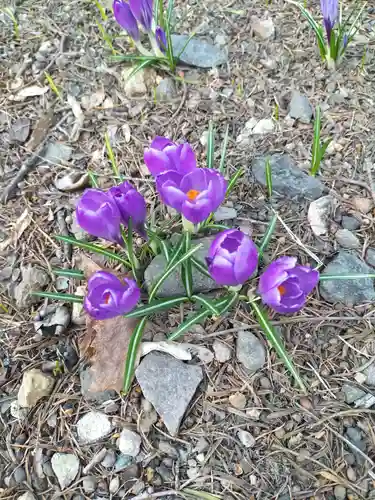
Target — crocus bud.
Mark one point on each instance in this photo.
(131, 205)
(161, 39)
(163, 155)
(125, 17)
(142, 11)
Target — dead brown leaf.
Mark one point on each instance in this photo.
(41, 128)
(21, 224)
(105, 344)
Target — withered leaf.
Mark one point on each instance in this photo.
(40, 131)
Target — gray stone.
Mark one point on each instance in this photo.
(54, 321)
(169, 384)
(351, 223)
(89, 484)
(370, 256)
(246, 438)
(56, 153)
(19, 131)
(347, 239)
(173, 285)
(166, 90)
(109, 460)
(33, 279)
(114, 485)
(352, 393)
(339, 492)
(287, 179)
(250, 351)
(35, 386)
(129, 443)
(93, 426)
(19, 475)
(198, 52)
(263, 28)
(370, 377)
(27, 496)
(65, 466)
(300, 108)
(349, 292)
(355, 436)
(223, 352)
(86, 381)
(122, 462)
(225, 213)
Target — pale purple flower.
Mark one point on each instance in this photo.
(330, 11)
(131, 205)
(125, 17)
(161, 39)
(284, 285)
(232, 258)
(142, 11)
(195, 195)
(109, 296)
(164, 155)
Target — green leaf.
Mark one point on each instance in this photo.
(202, 268)
(128, 240)
(101, 10)
(159, 11)
(267, 235)
(122, 58)
(186, 271)
(132, 353)
(219, 227)
(210, 145)
(93, 248)
(111, 157)
(207, 304)
(274, 339)
(315, 163)
(192, 34)
(233, 180)
(93, 180)
(268, 177)
(168, 34)
(323, 149)
(326, 277)
(156, 306)
(171, 268)
(66, 297)
(315, 26)
(224, 150)
(142, 65)
(69, 273)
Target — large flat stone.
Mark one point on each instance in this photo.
(198, 52)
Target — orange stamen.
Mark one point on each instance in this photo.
(106, 298)
(192, 194)
(282, 289)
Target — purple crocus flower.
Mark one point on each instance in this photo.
(284, 285)
(109, 296)
(126, 19)
(142, 11)
(99, 216)
(164, 155)
(131, 205)
(161, 39)
(232, 258)
(195, 195)
(330, 11)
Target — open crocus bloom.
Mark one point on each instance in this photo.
(284, 285)
(232, 258)
(109, 296)
(195, 195)
(164, 155)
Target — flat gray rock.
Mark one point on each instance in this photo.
(33, 279)
(169, 384)
(250, 351)
(198, 52)
(65, 466)
(352, 393)
(173, 284)
(300, 108)
(370, 257)
(287, 179)
(93, 426)
(56, 152)
(349, 292)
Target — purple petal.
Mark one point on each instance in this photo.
(168, 186)
(124, 16)
(188, 162)
(276, 273)
(195, 180)
(222, 272)
(161, 143)
(157, 161)
(142, 11)
(217, 242)
(290, 289)
(291, 305)
(308, 278)
(161, 39)
(103, 278)
(246, 260)
(131, 205)
(196, 212)
(272, 298)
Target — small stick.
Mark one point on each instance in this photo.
(95, 460)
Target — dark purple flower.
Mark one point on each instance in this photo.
(125, 17)
(98, 215)
(330, 11)
(195, 195)
(131, 204)
(109, 296)
(161, 39)
(164, 155)
(142, 11)
(232, 258)
(284, 285)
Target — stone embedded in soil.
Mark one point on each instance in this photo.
(129, 443)
(287, 179)
(250, 351)
(86, 378)
(109, 460)
(225, 213)
(351, 223)
(54, 321)
(169, 384)
(166, 90)
(17, 411)
(349, 292)
(300, 108)
(19, 131)
(263, 28)
(35, 386)
(223, 353)
(27, 496)
(173, 285)
(89, 484)
(319, 214)
(33, 279)
(198, 52)
(93, 426)
(56, 153)
(347, 239)
(238, 400)
(65, 466)
(136, 85)
(339, 492)
(246, 438)
(352, 393)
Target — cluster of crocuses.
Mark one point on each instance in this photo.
(134, 14)
(195, 193)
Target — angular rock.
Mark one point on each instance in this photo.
(250, 351)
(263, 28)
(35, 386)
(93, 426)
(287, 179)
(352, 393)
(238, 400)
(89, 484)
(19, 131)
(351, 223)
(56, 152)
(166, 90)
(347, 239)
(169, 384)
(198, 52)
(17, 411)
(263, 127)
(129, 443)
(173, 285)
(33, 279)
(300, 108)
(65, 466)
(349, 292)
(223, 353)
(109, 460)
(319, 214)
(136, 86)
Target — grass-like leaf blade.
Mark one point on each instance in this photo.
(267, 235)
(111, 157)
(315, 26)
(315, 154)
(156, 306)
(326, 277)
(202, 268)
(268, 177)
(66, 297)
(93, 179)
(232, 182)
(210, 145)
(276, 342)
(207, 304)
(69, 273)
(186, 271)
(224, 150)
(132, 354)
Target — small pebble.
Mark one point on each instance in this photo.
(109, 460)
(351, 475)
(89, 484)
(223, 353)
(129, 443)
(246, 438)
(238, 400)
(114, 485)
